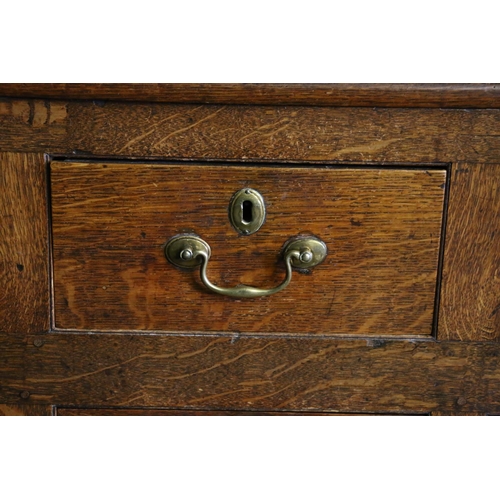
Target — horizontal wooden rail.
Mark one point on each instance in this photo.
(481, 95)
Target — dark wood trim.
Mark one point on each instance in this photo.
(293, 134)
(433, 95)
(63, 411)
(227, 373)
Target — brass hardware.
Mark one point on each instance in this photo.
(182, 250)
(312, 251)
(247, 211)
(189, 251)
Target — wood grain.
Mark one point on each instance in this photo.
(240, 373)
(34, 125)
(433, 95)
(24, 283)
(470, 299)
(12, 365)
(251, 133)
(110, 223)
(262, 374)
(26, 410)
(285, 133)
(165, 412)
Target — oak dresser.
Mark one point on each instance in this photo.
(249, 249)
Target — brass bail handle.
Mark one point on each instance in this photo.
(189, 251)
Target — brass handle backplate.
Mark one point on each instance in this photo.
(190, 251)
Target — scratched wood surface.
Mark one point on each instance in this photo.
(110, 223)
(470, 303)
(258, 374)
(262, 374)
(250, 133)
(479, 95)
(24, 300)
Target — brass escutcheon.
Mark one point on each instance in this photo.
(247, 211)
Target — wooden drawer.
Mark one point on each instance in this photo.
(400, 182)
(111, 221)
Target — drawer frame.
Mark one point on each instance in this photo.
(455, 372)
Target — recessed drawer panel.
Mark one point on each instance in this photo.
(112, 221)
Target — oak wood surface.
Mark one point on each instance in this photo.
(470, 302)
(110, 223)
(199, 372)
(250, 133)
(12, 366)
(238, 373)
(481, 95)
(24, 299)
(26, 410)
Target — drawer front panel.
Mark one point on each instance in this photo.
(111, 221)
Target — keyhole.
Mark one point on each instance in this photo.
(247, 212)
